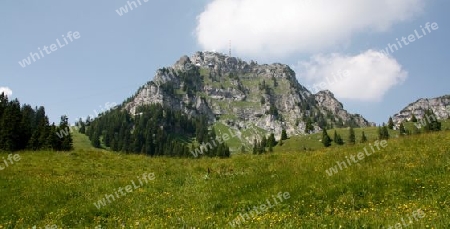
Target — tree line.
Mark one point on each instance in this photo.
(153, 130)
(25, 128)
(428, 123)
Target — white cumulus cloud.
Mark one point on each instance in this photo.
(6, 90)
(283, 27)
(364, 77)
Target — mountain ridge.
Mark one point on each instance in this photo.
(243, 94)
(439, 105)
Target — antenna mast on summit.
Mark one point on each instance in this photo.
(229, 49)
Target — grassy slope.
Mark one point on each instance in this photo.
(48, 188)
(312, 141)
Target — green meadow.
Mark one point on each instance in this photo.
(62, 189)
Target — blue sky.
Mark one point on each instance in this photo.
(114, 55)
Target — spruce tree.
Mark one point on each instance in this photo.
(255, 146)
(96, 140)
(337, 138)
(53, 141)
(271, 141)
(66, 140)
(264, 142)
(383, 133)
(351, 136)
(326, 140)
(284, 135)
(413, 118)
(432, 124)
(390, 123)
(82, 126)
(363, 138)
(402, 129)
(10, 132)
(309, 127)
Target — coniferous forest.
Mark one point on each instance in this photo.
(153, 131)
(27, 128)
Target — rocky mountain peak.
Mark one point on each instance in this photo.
(241, 95)
(439, 105)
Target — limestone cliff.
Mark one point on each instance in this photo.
(439, 105)
(242, 95)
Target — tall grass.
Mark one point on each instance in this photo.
(46, 188)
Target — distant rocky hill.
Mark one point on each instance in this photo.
(241, 95)
(439, 105)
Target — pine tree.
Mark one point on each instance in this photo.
(66, 140)
(390, 123)
(53, 141)
(351, 136)
(44, 132)
(264, 142)
(326, 140)
(432, 124)
(284, 135)
(383, 133)
(402, 129)
(309, 127)
(261, 148)
(413, 118)
(363, 138)
(337, 139)
(271, 141)
(96, 140)
(10, 132)
(82, 126)
(26, 125)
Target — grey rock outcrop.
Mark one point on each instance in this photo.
(241, 95)
(440, 106)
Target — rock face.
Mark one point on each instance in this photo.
(327, 101)
(440, 106)
(242, 95)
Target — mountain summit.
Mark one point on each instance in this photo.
(439, 105)
(240, 95)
